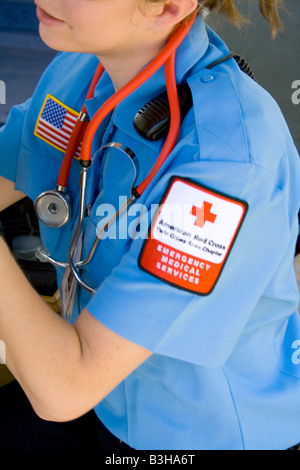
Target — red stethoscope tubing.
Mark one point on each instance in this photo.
(87, 130)
(175, 121)
(77, 134)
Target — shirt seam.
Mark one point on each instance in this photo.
(45, 155)
(250, 163)
(235, 408)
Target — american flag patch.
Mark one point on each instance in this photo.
(55, 124)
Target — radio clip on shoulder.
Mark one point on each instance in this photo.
(153, 119)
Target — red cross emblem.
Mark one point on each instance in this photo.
(203, 215)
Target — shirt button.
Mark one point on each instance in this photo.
(207, 78)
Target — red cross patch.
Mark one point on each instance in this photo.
(192, 235)
(203, 215)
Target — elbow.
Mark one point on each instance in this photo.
(59, 411)
(51, 415)
(55, 414)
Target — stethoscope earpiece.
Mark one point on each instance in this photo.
(53, 208)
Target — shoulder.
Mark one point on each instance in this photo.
(236, 119)
(239, 140)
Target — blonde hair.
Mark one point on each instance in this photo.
(268, 8)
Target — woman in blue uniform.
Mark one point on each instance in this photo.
(180, 326)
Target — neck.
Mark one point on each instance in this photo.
(125, 66)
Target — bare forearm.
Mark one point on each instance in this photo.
(42, 350)
(64, 370)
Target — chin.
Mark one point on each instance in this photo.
(54, 40)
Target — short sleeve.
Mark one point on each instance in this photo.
(10, 140)
(256, 278)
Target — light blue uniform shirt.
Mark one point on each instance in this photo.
(225, 370)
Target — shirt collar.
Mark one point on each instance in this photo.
(188, 54)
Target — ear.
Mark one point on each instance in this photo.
(172, 12)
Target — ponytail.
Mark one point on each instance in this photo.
(268, 8)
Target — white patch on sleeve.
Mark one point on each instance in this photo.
(192, 235)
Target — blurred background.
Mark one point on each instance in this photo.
(275, 62)
(23, 56)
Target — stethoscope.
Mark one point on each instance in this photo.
(53, 207)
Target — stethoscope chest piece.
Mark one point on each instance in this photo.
(53, 208)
